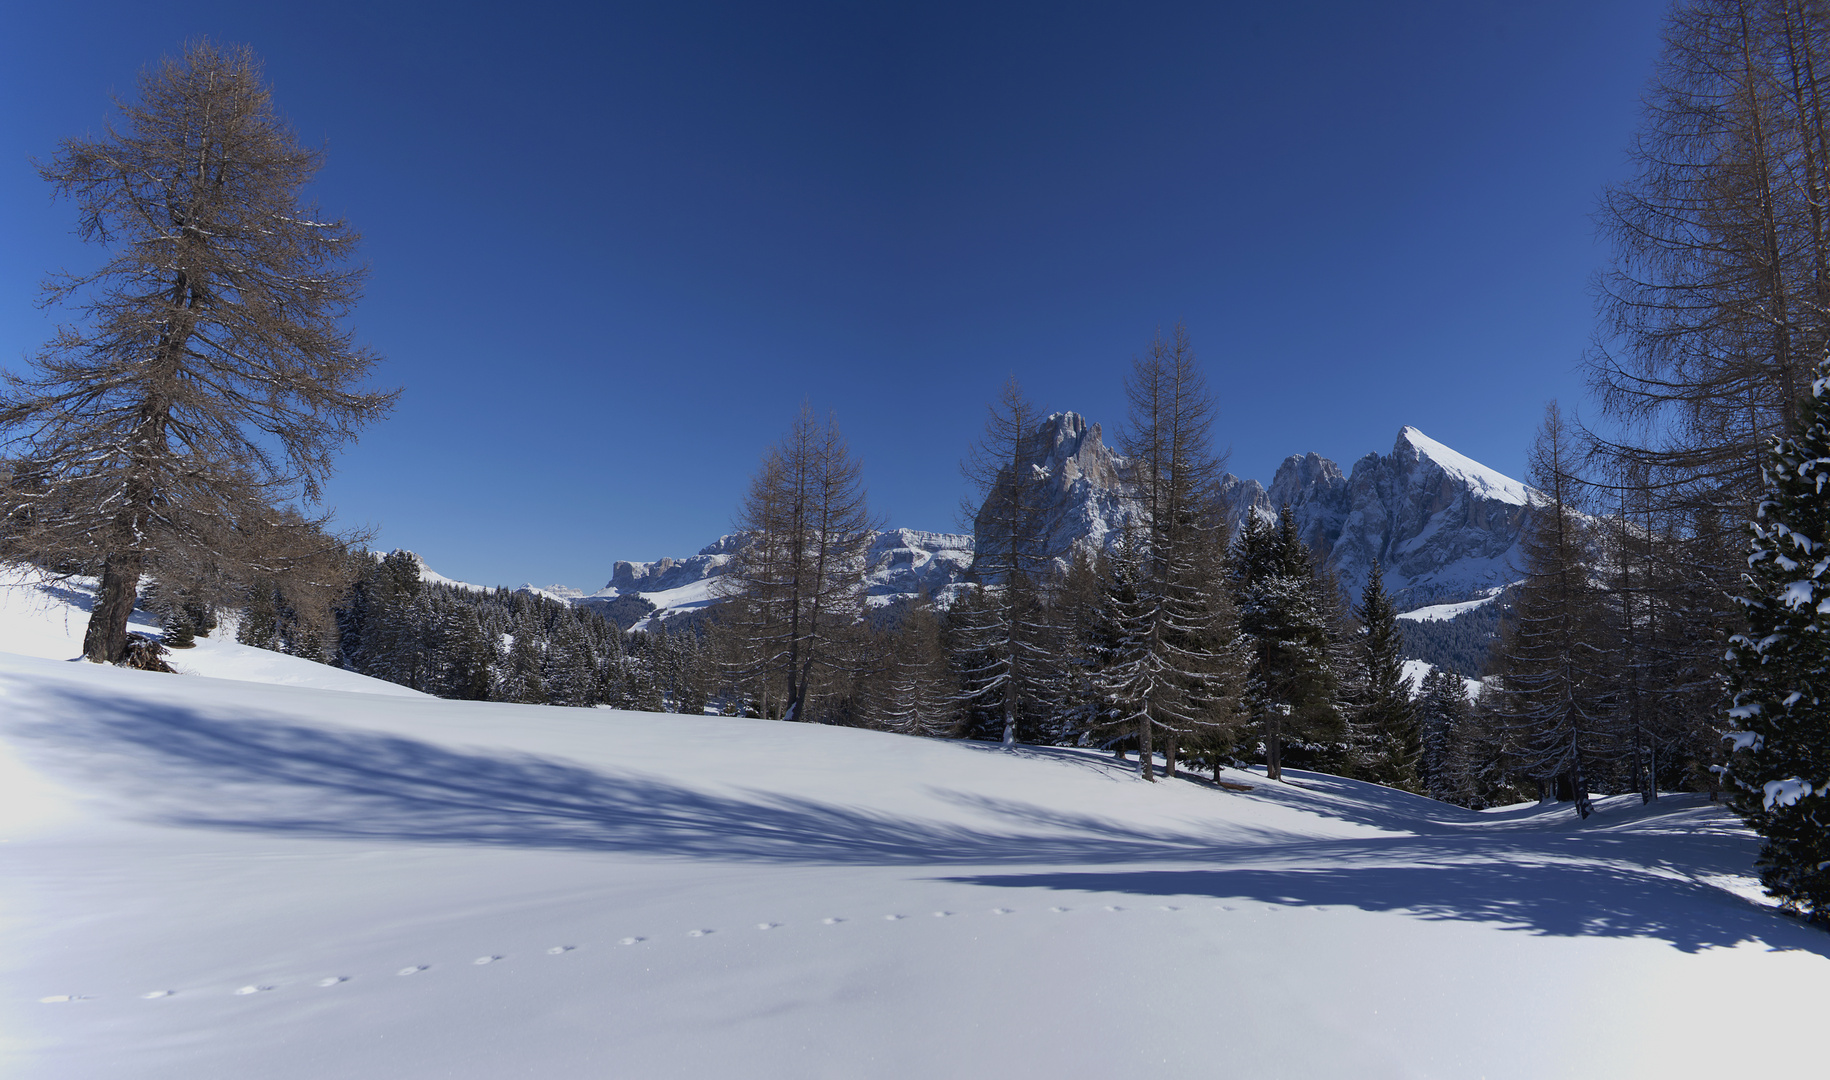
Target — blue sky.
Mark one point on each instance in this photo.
(615, 246)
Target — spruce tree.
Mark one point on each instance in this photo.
(1293, 690)
(1442, 720)
(1779, 669)
(1386, 733)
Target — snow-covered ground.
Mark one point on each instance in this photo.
(1415, 671)
(1489, 482)
(1446, 612)
(212, 878)
(46, 618)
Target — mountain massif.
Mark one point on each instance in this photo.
(1443, 527)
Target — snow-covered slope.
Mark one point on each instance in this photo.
(46, 618)
(1446, 612)
(1415, 671)
(206, 878)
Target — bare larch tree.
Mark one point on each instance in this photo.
(182, 426)
(1007, 633)
(796, 583)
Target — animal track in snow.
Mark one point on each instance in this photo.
(492, 958)
(333, 980)
(559, 949)
(630, 941)
(414, 970)
(767, 925)
(253, 988)
(1113, 907)
(891, 918)
(1168, 907)
(832, 920)
(1059, 910)
(1002, 911)
(942, 914)
(698, 933)
(153, 995)
(58, 999)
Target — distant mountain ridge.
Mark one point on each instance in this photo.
(1444, 527)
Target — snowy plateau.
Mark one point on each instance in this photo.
(1444, 528)
(266, 867)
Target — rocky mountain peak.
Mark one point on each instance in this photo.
(1443, 526)
(1088, 489)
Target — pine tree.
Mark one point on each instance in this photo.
(1004, 630)
(1442, 715)
(1554, 689)
(1293, 692)
(1779, 669)
(1083, 640)
(1389, 743)
(1171, 674)
(915, 691)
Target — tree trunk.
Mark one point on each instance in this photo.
(1274, 756)
(1146, 753)
(1169, 754)
(105, 642)
(1010, 719)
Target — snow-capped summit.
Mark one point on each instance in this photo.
(1487, 482)
(1443, 526)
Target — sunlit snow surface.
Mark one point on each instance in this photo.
(1489, 482)
(1415, 671)
(1446, 612)
(210, 878)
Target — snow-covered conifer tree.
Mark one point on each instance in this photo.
(1442, 717)
(1292, 694)
(1779, 669)
(1385, 727)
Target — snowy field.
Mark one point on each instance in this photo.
(234, 877)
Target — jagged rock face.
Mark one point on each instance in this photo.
(1443, 527)
(664, 574)
(904, 563)
(1088, 491)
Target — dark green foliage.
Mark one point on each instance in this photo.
(1463, 644)
(1286, 616)
(1443, 715)
(624, 611)
(1387, 743)
(495, 645)
(1779, 669)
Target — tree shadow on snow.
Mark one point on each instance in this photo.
(1560, 898)
(176, 765)
(271, 775)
